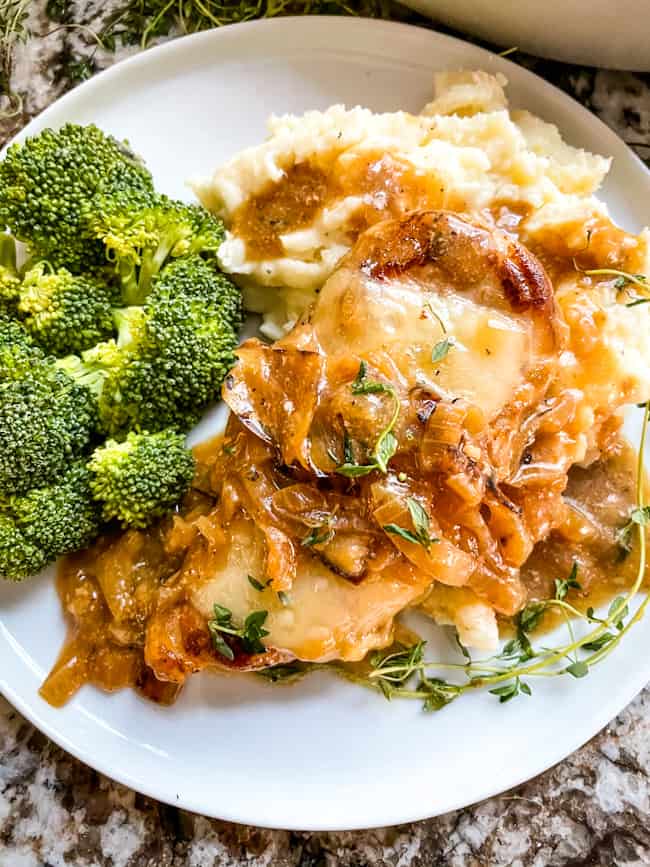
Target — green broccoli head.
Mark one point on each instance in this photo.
(171, 355)
(63, 312)
(19, 558)
(61, 517)
(182, 352)
(48, 185)
(142, 478)
(13, 333)
(101, 369)
(9, 287)
(46, 419)
(140, 240)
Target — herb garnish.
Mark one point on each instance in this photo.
(638, 517)
(283, 598)
(441, 349)
(421, 524)
(623, 278)
(257, 585)
(442, 325)
(404, 673)
(320, 535)
(562, 587)
(287, 672)
(361, 385)
(510, 690)
(386, 444)
(250, 633)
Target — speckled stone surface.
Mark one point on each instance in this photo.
(592, 809)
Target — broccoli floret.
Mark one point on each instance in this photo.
(48, 187)
(46, 419)
(60, 517)
(13, 333)
(46, 522)
(142, 478)
(65, 313)
(141, 240)
(171, 355)
(19, 558)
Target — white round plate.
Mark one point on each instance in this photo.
(322, 754)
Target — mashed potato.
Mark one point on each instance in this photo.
(465, 151)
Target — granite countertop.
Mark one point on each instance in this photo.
(592, 809)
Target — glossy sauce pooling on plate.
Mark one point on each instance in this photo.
(112, 591)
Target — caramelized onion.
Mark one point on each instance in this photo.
(441, 560)
(274, 391)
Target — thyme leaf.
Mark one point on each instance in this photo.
(623, 280)
(287, 672)
(510, 690)
(624, 277)
(318, 536)
(385, 449)
(421, 525)
(257, 585)
(562, 586)
(386, 444)
(441, 349)
(530, 618)
(395, 530)
(250, 633)
(363, 386)
(352, 471)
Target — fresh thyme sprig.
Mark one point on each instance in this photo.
(442, 347)
(386, 444)
(623, 279)
(250, 633)
(13, 29)
(638, 516)
(406, 674)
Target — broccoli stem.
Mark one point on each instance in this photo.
(91, 378)
(8, 252)
(129, 282)
(152, 262)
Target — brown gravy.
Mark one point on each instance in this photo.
(111, 590)
(600, 499)
(284, 206)
(389, 187)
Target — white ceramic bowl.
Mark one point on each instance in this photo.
(595, 32)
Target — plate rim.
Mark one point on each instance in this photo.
(388, 815)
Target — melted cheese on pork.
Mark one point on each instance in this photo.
(327, 617)
(399, 319)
